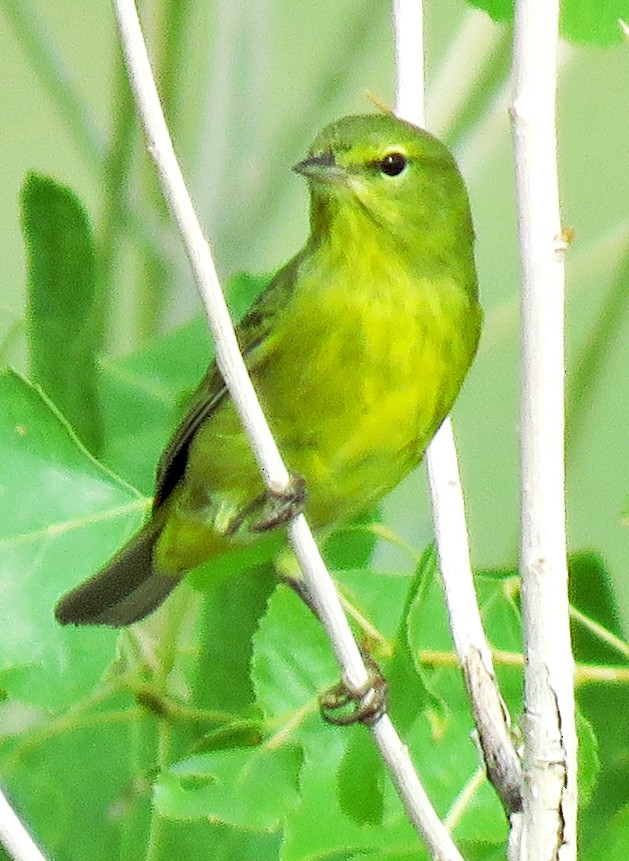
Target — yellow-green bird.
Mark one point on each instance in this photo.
(357, 350)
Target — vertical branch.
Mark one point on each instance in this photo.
(549, 823)
(408, 16)
(503, 766)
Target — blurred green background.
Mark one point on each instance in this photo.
(123, 731)
(246, 86)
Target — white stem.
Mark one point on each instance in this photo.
(448, 507)
(418, 807)
(408, 18)
(318, 581)
(18, 843)
(451, 537)
(160, 147)
(550, 792)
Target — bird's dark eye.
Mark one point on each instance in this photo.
(393, 164)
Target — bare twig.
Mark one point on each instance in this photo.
(584, 674)
(15, 838)
(503, 766)
(318, 581)
(549, 791)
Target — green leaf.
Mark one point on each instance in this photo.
(590, 21)
(361, 780)
(594, 21)
(342, 836)
(602, 705)
(441, 744)
(292, 662)
(230, 613)
(291, 665)
(612, 846)
(198, 841)
(89, 772)
(12, 337)
(592, 593)
(146, 394)
(408, 694)
(351, 546)
(63, 322)
(61, 516)
(588, 759)
(429, 631)
(249, 788)
(379, 596)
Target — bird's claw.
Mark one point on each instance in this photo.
(271, 509)
(341, 706)
(281, 506)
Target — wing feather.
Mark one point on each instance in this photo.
(253, 333)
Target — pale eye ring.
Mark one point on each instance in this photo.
(393, 164)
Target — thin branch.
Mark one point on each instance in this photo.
(231, 364)
(503, 766)
(550, 789)
(15, 838)
(584, 674)
(610, 639)
(408, 20)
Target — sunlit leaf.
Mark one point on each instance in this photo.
(61, 516)
(591, 21)
(232, 786)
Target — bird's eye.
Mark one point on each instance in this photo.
(393, 164)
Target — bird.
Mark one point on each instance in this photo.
(357, 350)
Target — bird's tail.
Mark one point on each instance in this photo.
(127, 589)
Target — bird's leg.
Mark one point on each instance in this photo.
(281, 506)
(341, 706)
(275, 508)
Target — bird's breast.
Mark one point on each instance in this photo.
(358, 382)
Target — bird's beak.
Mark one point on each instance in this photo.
(321, 168)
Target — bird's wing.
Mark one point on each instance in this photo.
(254, 336)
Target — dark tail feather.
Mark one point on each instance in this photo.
(126, 590)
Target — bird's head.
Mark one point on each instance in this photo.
(397, 175)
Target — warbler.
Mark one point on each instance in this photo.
(357, 350)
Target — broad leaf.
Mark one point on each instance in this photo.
(61, 516)
(63, 317)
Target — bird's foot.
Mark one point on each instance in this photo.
(341, 706)
(279, 507)
(271, 509)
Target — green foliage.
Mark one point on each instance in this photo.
(592, 21)
(209, 713)
(62, 315)
(243, 693)
(196, 734)
(61, 514)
